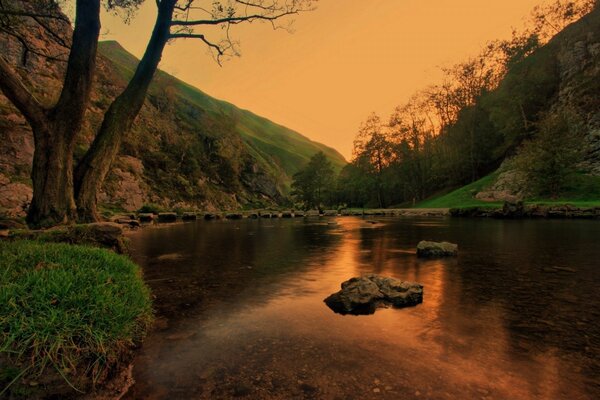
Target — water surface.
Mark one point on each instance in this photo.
(241, 312)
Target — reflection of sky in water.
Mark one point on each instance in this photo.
(494, 323)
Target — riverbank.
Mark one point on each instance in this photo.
(522, 211)
(71, 317)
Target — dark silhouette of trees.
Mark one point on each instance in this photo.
(313, 185)
(455, 132)
(63, 192)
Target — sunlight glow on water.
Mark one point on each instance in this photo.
(241, 311)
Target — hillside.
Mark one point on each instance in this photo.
(274, 143)
(561, 75)
(186, 150)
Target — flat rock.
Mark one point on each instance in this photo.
(146, 217)
(436, 249)
(189, 216)
(364, 295)
(167, 217)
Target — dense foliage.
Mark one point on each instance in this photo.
(549, 159)
(460, 130)
(312, 185)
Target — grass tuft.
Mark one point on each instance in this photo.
(67, 311)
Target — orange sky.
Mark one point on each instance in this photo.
(343, 61)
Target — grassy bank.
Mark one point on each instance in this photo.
(582, 191)
(463, 197)
(69, 316)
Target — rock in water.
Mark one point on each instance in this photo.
(189, 216)
(364, 295)
(167, 217)
(436, 249)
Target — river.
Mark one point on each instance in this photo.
(240, 310)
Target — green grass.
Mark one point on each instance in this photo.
(581, 191)
(277, 147)
(67, 311)
(463, 197)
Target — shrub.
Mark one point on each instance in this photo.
(151, 209)
(69, 316)
(549, 160)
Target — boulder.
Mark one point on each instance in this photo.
(513, 210)
(146, 217)
(210, 216)
(436, 249)
(189, 216)
(167, 217)
(364, 295)
(298, 214)
(253, 216)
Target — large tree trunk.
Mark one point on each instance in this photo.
(55, 129)
(93, 168)
(53, 202)
(52, 173)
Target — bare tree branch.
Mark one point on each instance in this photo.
(197, 36)
(233, 20)
(13, 88)
(20, 13)
(29, 49)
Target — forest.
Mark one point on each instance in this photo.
(496, 106)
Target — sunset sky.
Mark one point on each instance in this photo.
(343, 61)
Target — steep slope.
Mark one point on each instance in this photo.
(274, 143)
(562, 75)
(186, 149)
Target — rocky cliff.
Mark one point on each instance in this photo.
(186, 150)
(571, 63)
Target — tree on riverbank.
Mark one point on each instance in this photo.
(63, 191)
(313, 185)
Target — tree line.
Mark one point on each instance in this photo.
(455, 132)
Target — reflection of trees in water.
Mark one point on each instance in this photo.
(505, 280)
(232, 261)
(513, 268)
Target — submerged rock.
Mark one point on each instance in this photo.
(364, 295)
(436, 249)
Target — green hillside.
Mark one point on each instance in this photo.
(283, 150)
(583, 191)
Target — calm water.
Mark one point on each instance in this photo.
(241, 312)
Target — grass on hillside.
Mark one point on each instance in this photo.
(463, 197)
(271, 142)
(66, 311)
(581, 191)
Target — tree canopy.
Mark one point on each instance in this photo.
(313, 185)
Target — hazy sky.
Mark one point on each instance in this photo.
(343, 61)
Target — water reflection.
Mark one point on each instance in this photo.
(242, 314)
